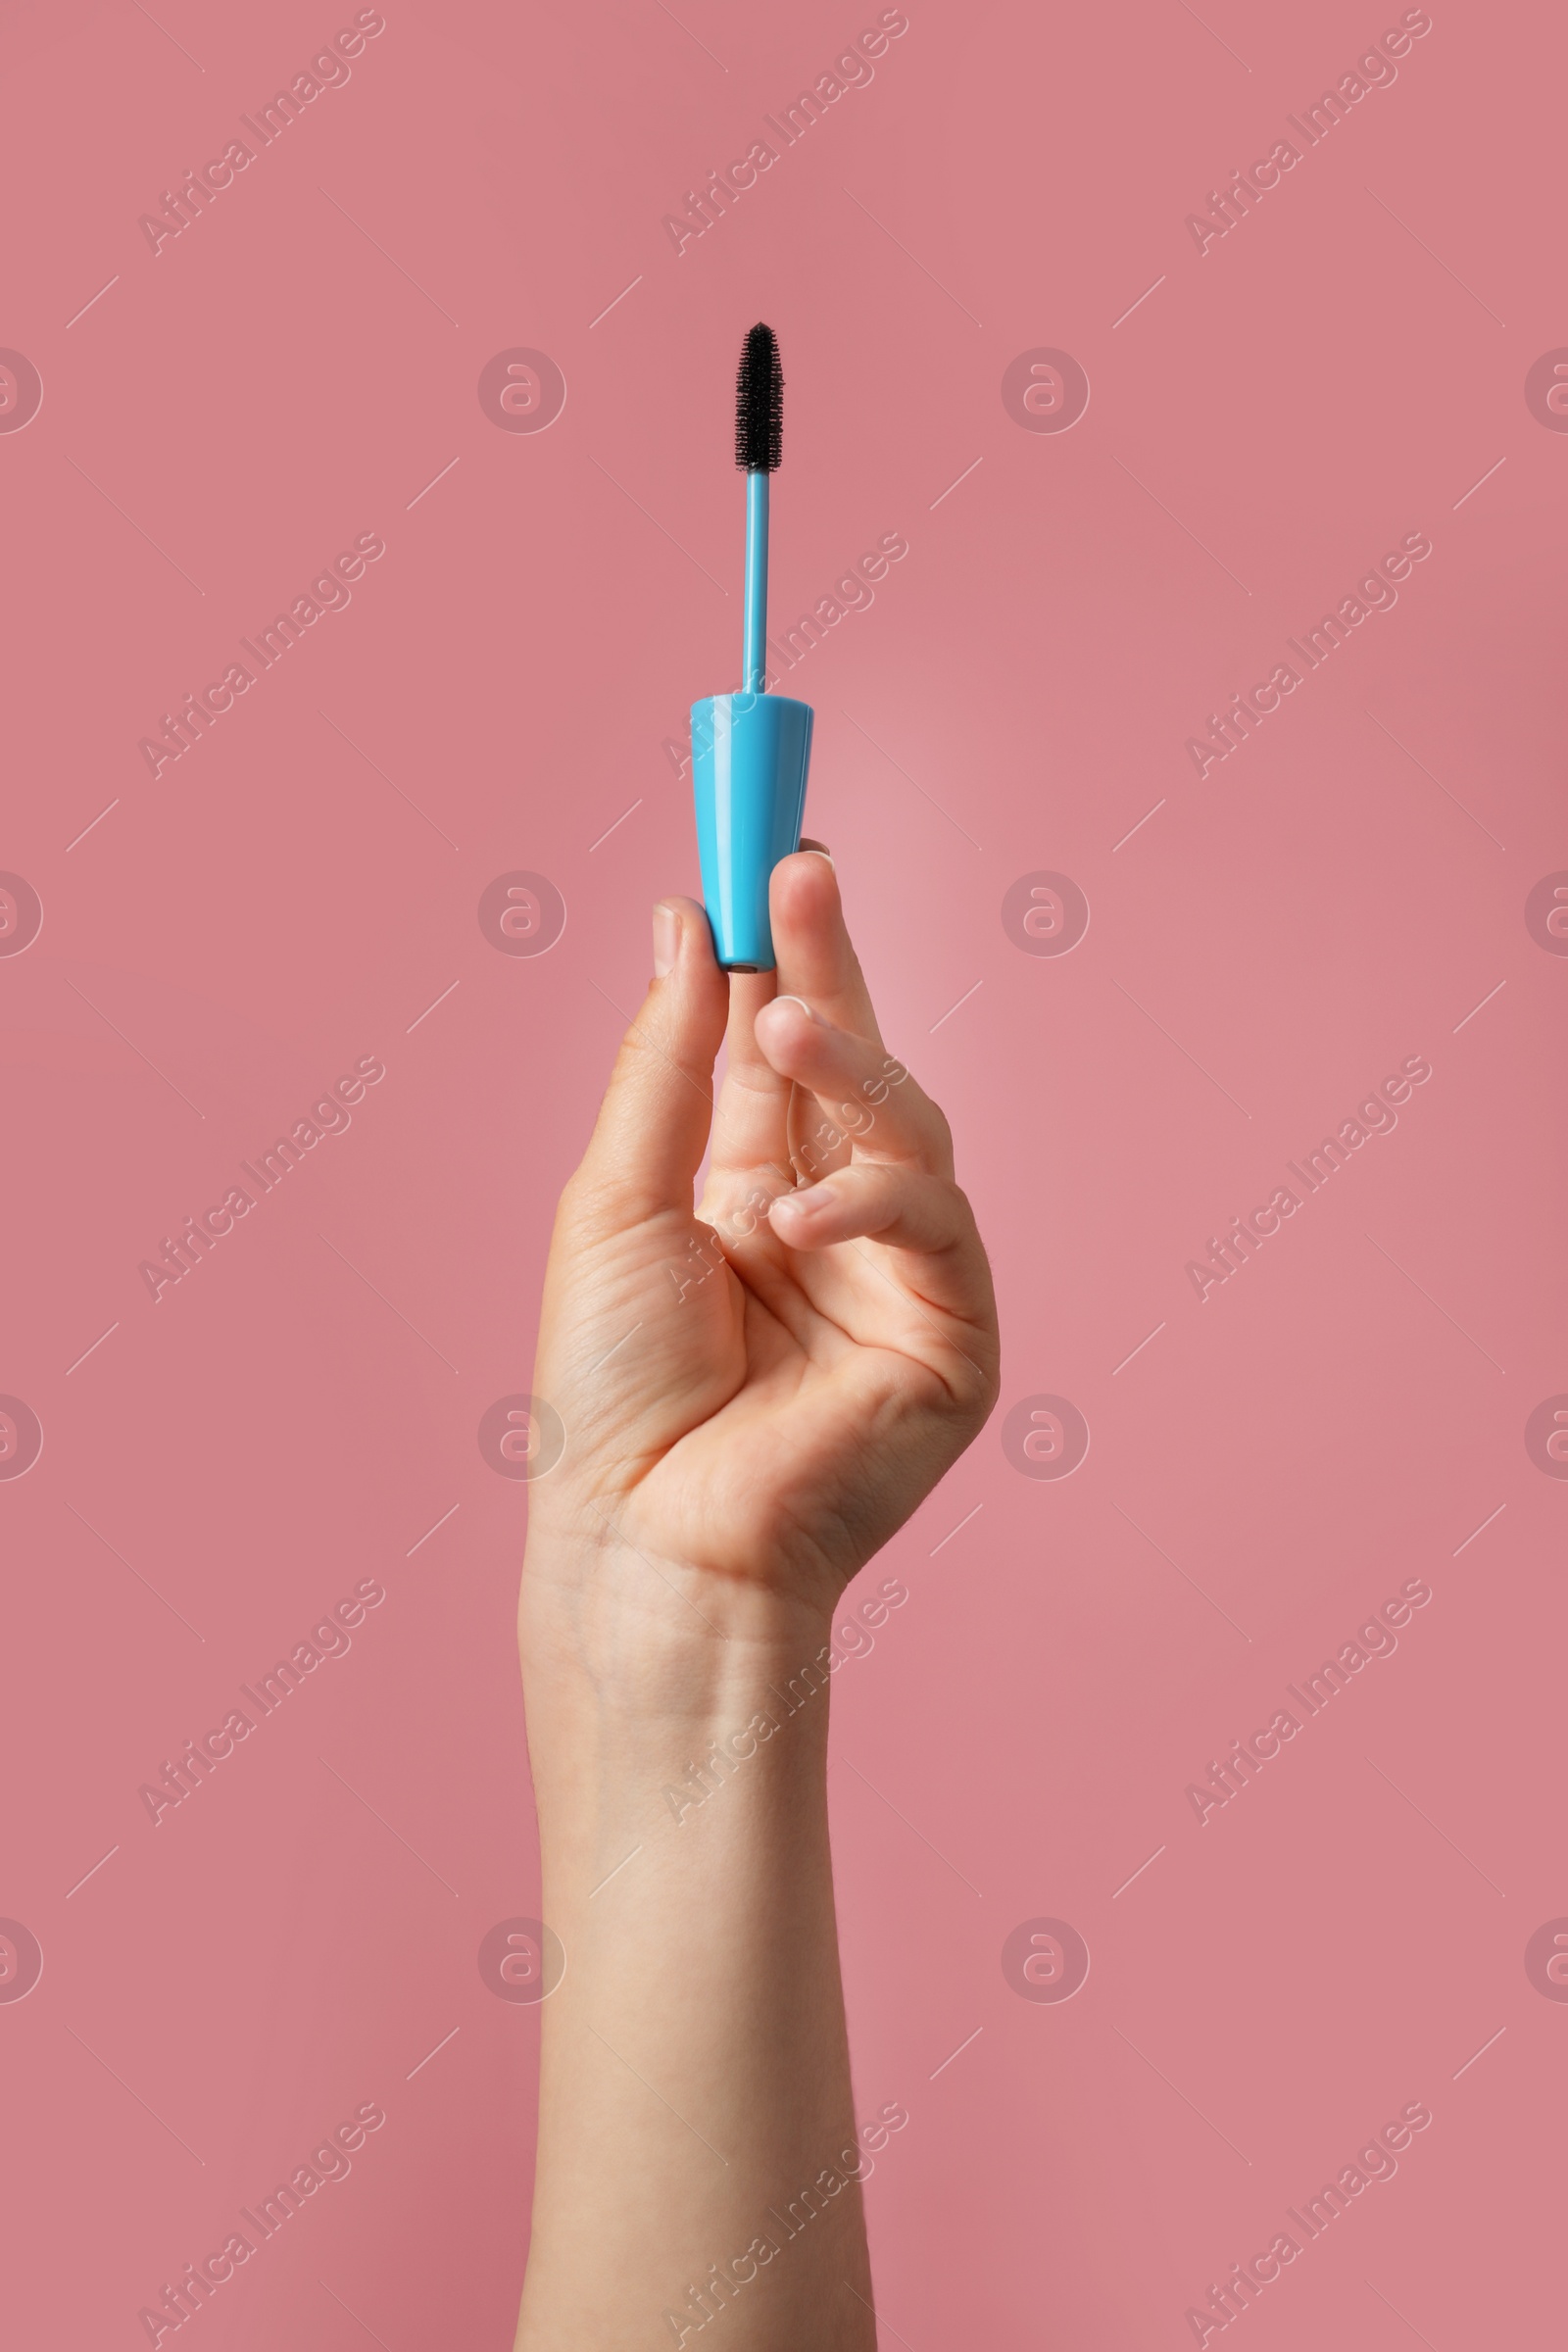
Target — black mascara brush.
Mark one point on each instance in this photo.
(759, 447)
(750, 751)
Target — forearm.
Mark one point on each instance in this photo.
(695, 2127)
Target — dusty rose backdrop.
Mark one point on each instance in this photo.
(467, 320)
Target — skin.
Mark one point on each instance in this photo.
(756, 1397)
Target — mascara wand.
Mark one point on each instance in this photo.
(750, 751)
(759, 447)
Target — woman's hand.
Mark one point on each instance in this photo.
(753, 1398)
(756, 1397)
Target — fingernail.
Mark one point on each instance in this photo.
(667, 941)
(819, 848)
(805, 1007)
(809, 1202)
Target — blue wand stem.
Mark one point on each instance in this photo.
(755, 646)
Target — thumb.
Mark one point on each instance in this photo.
(652, 1130)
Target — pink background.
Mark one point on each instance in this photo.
(218, 1468)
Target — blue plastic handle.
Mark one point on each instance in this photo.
(750, 755)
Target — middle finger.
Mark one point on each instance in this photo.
(862, 1095)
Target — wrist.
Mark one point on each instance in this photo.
(660, 1746)
(649, 1687)
(604, 1622)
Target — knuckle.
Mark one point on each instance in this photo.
(943, 1126)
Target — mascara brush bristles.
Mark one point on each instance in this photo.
(759, 404)
(759, 447)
